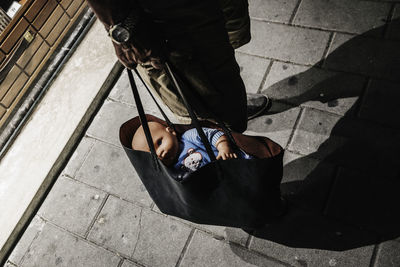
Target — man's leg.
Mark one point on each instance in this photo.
(237, 24)
(237, 21)
(204, 58)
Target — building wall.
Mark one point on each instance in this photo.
(47, 21)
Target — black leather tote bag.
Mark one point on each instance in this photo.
(236, 192)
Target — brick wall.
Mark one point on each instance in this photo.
(47, 21)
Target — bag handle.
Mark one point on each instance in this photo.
(142, 117)
(192, 115)
(170, 124)
(220, 123)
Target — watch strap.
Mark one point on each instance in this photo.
(128, 22)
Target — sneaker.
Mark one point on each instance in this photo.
(256, 105)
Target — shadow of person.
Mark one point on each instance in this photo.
(344, 193)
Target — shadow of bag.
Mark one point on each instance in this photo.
(234, 192)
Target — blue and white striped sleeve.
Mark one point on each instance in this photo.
(212, 135)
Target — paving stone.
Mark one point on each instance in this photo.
(109, 169)
(109, 119)
(283, 82)
(129, 264)
(72, 205)
(369, 56)
(388, 254)
(313, 257)
(381, 103)
(122, 92)
(352, 53)
(207, 251)
(301, 227)
(306, 181)
(78, 157)
(313, 87)
(313, 130)
(366, 200)
(31, 232)
(55, 247)
(272, 10)
(231, 234)
(252, 70)
(349, 142)
(389, 64)
(160, 241)
(394, 26)
(342, 15)
(283, 42)
(277, 125)
(117, 226)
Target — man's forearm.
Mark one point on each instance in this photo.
(111, 12)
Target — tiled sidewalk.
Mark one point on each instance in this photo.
(332, 68)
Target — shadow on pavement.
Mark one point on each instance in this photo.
(351, 197)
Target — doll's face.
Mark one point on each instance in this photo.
(164, 139)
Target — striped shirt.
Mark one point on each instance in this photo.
(193, 154)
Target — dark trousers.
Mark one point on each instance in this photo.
(201, 38)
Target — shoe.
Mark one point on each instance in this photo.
(256, 105)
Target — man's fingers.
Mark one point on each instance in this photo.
(122, 58)
(147, 52)
(130, 56)
(156, 63)
(125, 56)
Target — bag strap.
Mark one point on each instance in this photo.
(170, 124)
(192, 115)
(195, 121)
(220, 123)
(144, 122)
(142, 117)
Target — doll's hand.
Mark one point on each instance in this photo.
(225, 151)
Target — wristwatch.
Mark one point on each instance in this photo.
(121, 33)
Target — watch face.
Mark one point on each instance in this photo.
(119, 34)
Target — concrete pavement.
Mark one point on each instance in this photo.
(332, 68)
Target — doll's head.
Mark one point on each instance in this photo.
(164, 139)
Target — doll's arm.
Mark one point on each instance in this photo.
(224, 149)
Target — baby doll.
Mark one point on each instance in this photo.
(189, 153)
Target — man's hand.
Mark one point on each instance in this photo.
(145, 44)
(130, 56)
(224, 149)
